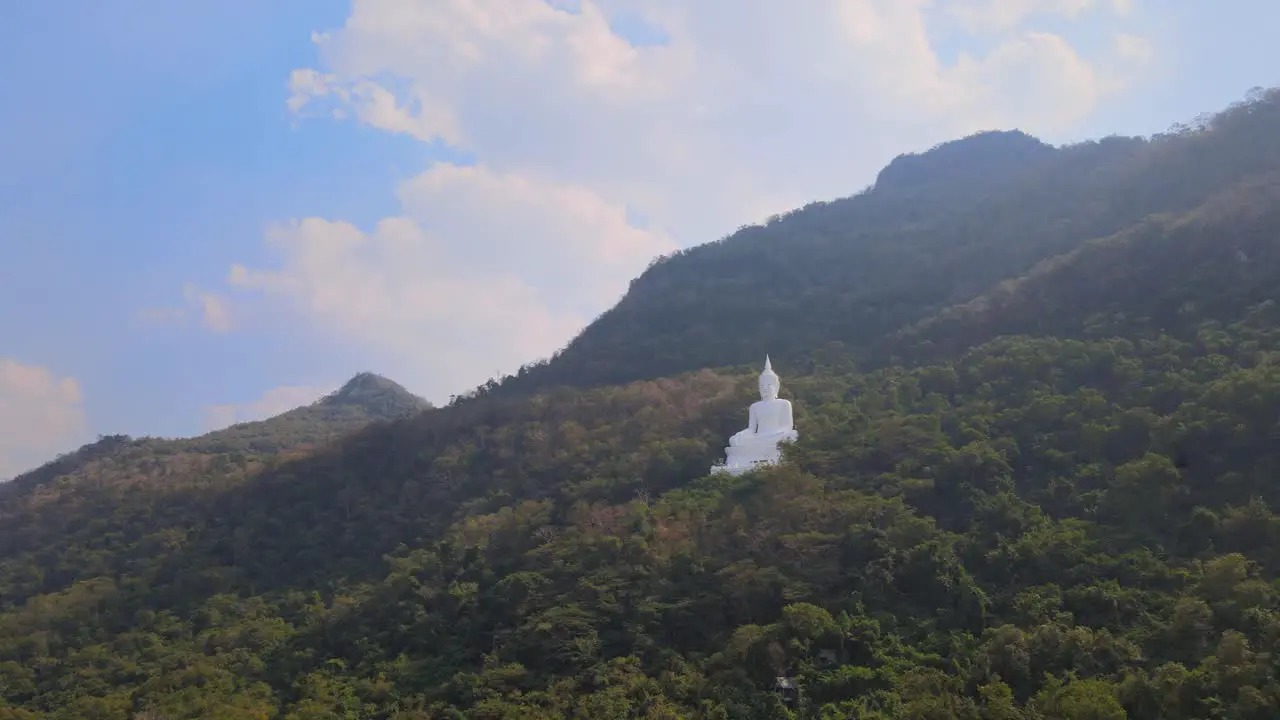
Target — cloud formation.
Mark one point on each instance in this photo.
(211, 310)
(40, 414)
(481, 273)
(1004, 15)
(608, 132)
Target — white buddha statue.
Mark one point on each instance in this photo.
(769, 422)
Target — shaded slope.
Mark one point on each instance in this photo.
(104, 496)
(336, 513)
(305, 518)
(1170, 274)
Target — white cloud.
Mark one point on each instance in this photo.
(535, 261)
(40, 415)
(1133, 48)
(212, 310)
(1040, 78)
(989, 15)
(373, 105)
(748, 108)
(273, 402)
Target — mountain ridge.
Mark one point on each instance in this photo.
(366, 397)
(857, 269)
(1237, 255)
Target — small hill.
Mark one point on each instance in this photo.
(87, 493)
(363, 399)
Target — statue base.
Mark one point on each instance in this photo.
(743, 458)
(740, 469)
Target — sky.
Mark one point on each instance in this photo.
(212, 212)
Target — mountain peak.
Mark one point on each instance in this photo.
(365, 398)
(367, 382)
(376, 393)
(980, 159)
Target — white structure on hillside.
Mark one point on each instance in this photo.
(769, 422)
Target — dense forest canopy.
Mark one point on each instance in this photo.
(1038, 391)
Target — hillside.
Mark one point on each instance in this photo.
(1021, 511)
(1172, 274)
(89, 495)
(1035, 480)
(936, 230)
(363, 399)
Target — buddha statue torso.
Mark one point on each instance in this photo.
(767, 420)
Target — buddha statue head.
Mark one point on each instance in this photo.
(769, 382)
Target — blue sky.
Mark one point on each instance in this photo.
(148, 149)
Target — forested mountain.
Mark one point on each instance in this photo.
(1039, 404)
(103, 494)
(936, 230)
(1178, 274)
